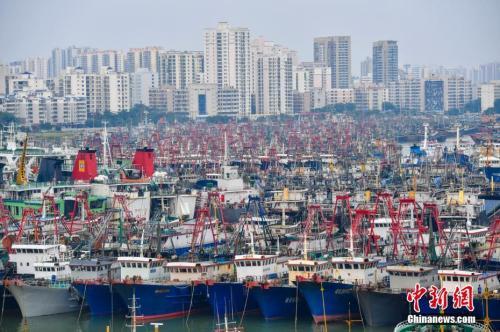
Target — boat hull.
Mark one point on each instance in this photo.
(42, 301)
(380, 308)
(231, 298)
(100, 298)
(162, 301)
(7, 301)
(280, 302)
(336, 302)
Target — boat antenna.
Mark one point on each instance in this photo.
(251, 243)
(426, 132)
(225, 149)
(107, 159)
(305, 246)
(351, 242)
(142, 243)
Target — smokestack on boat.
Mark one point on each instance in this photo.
(144, 161)
(85, 167)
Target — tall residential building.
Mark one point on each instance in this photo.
(64, 57)
(147, 57)
(385, 61)
(71, 82)
(458, 92)
(106, 91)
(24, 82)
(228, 61)
(310, 75)
(370, 97)
(272, 83)
(488, 93)
(339, 96)
(301, 78)
(38, 66)
(161, 98)
(406, 94)
(4, 72)
(335, 52)
(489, 72)
(181, 69)
(92, 62)
(140, 82)
(366, 67)
(42, 107)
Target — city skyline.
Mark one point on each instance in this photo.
(467, 40)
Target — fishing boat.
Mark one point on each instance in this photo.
(333, 298)
(182, 291)
(92, 279)
(386, 305)
(49, 290)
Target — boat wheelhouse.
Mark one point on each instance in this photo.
(406, 276)
(355, 270)
(24, 256)
(450, 279)
(257, 267)
(306, 269)
(142, 268)
(188, 271)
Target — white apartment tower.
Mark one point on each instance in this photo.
(335, 52)
(181, 69)
(106, 91)
(272, 75)
(141, 81)
(147, 57)
(227, 61)
(458, 92)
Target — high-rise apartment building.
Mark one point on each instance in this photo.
(106, 91)
(335, 52)
(406, 94)
(92, 62)
(366, 67)
(228, 61)
(141, 81)
(272, 83)
(147, 57)
(385, 61)
(181, 69)
(458, 92)
(488, 93)
(42, 107)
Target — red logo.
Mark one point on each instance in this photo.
(462, 297)
(415, 296)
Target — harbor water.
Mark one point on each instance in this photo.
(197, 323)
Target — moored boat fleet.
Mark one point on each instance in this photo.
(321, 232)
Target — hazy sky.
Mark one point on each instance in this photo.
(448, 32)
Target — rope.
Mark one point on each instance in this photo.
(3, 303)
(244, 308)
(190, 303)
(296, 303)
(359, 308)
(324, 309)
(112, 304)
(83, 301)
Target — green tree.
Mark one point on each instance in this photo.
(496, 106)
(474, 106)
(7, 118)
